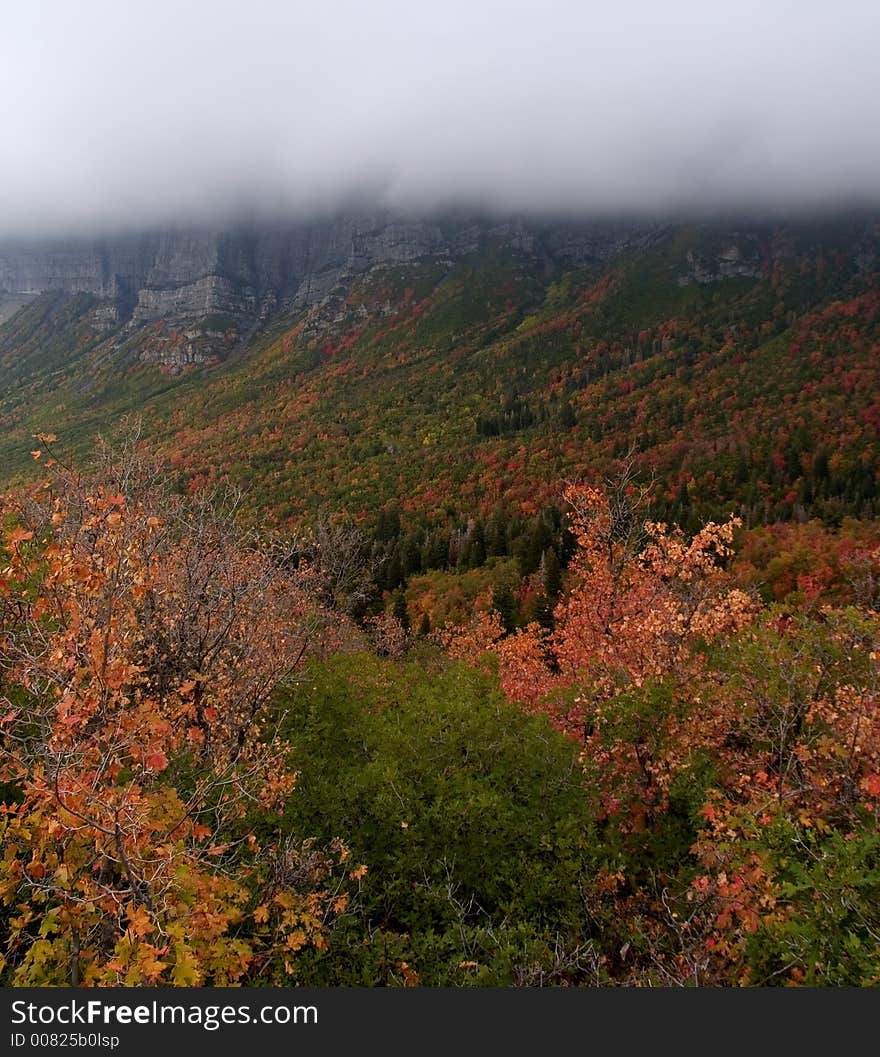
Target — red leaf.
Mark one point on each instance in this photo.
(156, 761)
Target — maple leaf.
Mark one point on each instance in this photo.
(296, 940)
(18, 535)
(151, 966)
(186, 970)
(138, 920)
(156, 761)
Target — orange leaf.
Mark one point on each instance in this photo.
(139, 920)
(18, 535)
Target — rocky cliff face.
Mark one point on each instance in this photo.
(232, 281)
(193, 296)
(732, 262)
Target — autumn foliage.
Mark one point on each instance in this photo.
(714, 799)
(641, 596)
(731, 753)
(142, 637)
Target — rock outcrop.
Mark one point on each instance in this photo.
(216, 287)
(732, 262)
(184, 297)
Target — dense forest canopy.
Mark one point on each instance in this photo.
(218, 767)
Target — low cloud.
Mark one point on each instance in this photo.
(120, 114)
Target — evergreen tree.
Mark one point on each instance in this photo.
(551, 574)
(399, 609)
(504, 604)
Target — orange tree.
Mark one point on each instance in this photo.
(731, 755)
(142, 637)
(642, 599)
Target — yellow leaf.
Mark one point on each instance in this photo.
(186, 971)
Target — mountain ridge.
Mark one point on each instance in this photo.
(736, 357)
(247, 272)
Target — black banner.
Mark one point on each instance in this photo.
(166, 1022)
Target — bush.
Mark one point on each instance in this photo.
(471, 816)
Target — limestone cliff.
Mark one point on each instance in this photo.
(218, 287)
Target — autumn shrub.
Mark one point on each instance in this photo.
(643, 598)
(142, 637)
(738, 814)
(731, 754)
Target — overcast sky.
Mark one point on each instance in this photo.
(116, 112)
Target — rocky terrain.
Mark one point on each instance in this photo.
(218, 287)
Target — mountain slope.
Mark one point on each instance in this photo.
(452, 367)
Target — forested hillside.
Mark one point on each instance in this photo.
(739, 362)
(494, 614)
